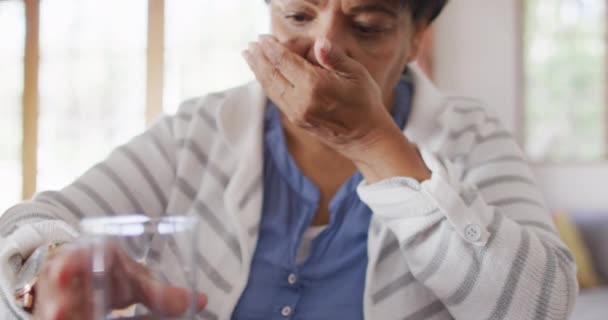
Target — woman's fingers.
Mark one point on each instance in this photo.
(71, 267)
(63, 287)
(169, 300)
(292, 66)
(278, 88)
(142, 287)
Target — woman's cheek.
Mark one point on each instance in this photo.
(380, 60)
(297, 41)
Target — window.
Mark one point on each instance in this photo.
(92, 83)
(12, 33)
(566, 80)
(98, 71)
(198, 60)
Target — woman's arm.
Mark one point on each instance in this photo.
(477, 233)
(135, 179)
(489, 252)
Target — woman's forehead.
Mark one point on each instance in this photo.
(352, 3)
(356, 6)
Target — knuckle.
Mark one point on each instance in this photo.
(274, 75)
(281, 58)
(302, 117)
(316, 88)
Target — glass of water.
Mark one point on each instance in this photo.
(142, 267)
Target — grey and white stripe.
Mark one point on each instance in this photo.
(125, 190)
(547, 284)
(157, 143)
(203, 159)
(145, 172)
(516, 200)
(497, 180)
(210, 218)
(427, 312)
(393, 287)
(95, 197)
(391, 247)
(472, 275)
(213, 274)
(503, 304)
(12, 222)
(208, 118)
(49, 196)
(438, 258)
(537, 224)
(253, 189)
(7, 305)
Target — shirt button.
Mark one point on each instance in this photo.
(292, 279)
(286, 311)
(472, 232)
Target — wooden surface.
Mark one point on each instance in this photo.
(30, 98)
(155, 57)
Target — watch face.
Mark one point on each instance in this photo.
(30, 269)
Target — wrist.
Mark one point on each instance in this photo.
(25, 287)
(389, 154)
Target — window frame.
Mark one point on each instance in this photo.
(30, 101)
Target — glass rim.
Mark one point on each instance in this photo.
(135, 225)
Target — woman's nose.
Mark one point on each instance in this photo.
(304, 44)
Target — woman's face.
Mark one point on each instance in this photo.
(379, 34)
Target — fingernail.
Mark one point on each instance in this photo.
(325, 45)
(202, 301)
(252, 47)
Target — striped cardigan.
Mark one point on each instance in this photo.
(474, 242)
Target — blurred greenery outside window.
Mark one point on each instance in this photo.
(565, 55)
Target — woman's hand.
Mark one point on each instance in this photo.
(338, 102)
(64, 288)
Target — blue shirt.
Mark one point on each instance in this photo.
(329, 284)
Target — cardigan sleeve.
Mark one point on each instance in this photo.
(136, 178)
(477, 233)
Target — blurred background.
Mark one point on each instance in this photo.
(79, 77)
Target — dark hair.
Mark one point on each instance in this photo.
(425, 9)
(422, 9)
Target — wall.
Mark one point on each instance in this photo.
(477, 53)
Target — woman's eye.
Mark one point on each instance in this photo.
(367, 30)
(298, 17)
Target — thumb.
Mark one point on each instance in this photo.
(169, 300)
(334, 58)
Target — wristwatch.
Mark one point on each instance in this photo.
(27, 278)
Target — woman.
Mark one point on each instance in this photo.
(334, 187)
